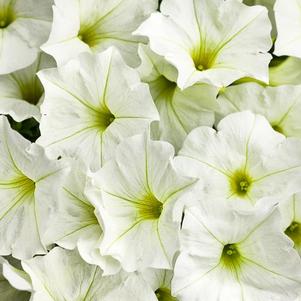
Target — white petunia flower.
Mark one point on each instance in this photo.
(211, 41)
(95, 25)
(28, 185)
(226, 255)
(62, 275)
(136, 193)
(75, 221)
(243, 162)
(21, 91)
(291, 219)
(180, 111)
(91, 104)
(280, 105)
(24, 26)
(288, 20)
(14, 282)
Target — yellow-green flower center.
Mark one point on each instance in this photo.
(31, 91)
(231, 257)
(204, 56)
(294, 233)
(277, 128)
(164, 294)
(90, 34)
(7, 16)
(240, 183)
(105, 119)
(149, 207)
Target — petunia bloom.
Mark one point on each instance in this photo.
(245, 161)
(94, 25)
(28, 185)
(91, 104)
(136, 193)
(211, 41)
(226, 255)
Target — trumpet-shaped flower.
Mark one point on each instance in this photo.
(75, 221)
(13, 286)
(136, 193)
(95, 25)
(211, 41)
(28, 185)
(21, 91)
(91, 104)
(24, 26)
(288, 20)
(281, 111)
(291, 219)
(180, 111)
(62, 275)
(226, 255)
(244, 161)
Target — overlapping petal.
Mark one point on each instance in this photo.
(180, 111)
(281, 111)
(63, 275)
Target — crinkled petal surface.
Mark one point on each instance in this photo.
(180, 111)
(63, 275)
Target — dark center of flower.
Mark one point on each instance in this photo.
(89, 34)
(7, 16)
(149, 207)
(32, 92)
(204, 58)
(104, 119)
(164, 294)
(240, 183)
(294, 233)
(277, 128)
(230, 256)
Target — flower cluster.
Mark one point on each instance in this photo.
(150, 150)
